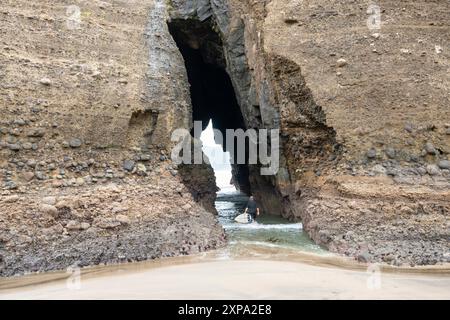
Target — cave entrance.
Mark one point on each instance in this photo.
(212, 93)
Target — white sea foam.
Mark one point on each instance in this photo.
(259, 243)
(286, 226)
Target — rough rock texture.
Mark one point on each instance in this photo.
(363, 116)
(385, 104)
(201, 183)
(89, 102)
(105, 224)
(86, 114)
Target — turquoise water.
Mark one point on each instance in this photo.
(269, 230)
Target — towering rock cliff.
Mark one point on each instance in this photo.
(363, 115)
(92, 90)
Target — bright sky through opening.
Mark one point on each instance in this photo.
(220, 161)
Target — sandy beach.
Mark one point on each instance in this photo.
(232, 279)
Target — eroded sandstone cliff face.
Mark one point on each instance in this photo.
(89, 102)
(363, 116)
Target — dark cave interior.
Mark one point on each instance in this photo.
(212, 93)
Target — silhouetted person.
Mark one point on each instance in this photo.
(252, 208)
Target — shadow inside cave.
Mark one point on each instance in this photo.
(212, 93)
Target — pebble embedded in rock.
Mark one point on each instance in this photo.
(379, 169)
(75, 143)
(85, 225)
(31, 163)
(11, 185)
(123, 219)
(422, 171)
(391, 172)
(341, 63)
(19, 122)
(15, 147)
(429, 148)
(409, 127)
(28, 176)
(49, 209)
(45, 81)
(27, 146)
(390, 152)
(36, 132)
(128, 165)
(11, 199)
(73, 225)
(40, 175)
(106, 223)
(187, 207)
(433, 170)
(444, 164)
(141, 167)
(371, 153)
(49, 200)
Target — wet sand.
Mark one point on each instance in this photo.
(190, 278)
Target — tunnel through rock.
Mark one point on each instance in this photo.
(212, 93)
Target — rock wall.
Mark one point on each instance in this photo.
(92, 90)
(385, 95)
(363, 116)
